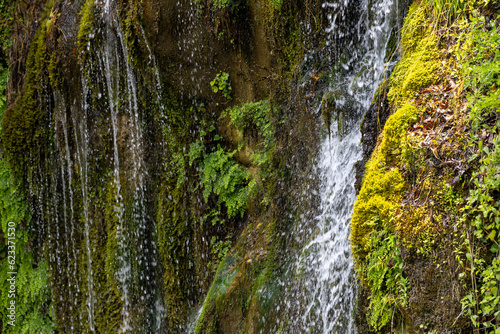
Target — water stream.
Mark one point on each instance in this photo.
(82, 154)
(322, 292)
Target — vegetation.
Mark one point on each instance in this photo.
(222, 176)
(6, 17)
(221, 84)
(478, 58)
(31, 295)
(445, 81)
(33, 309)
(23, 271)
(430, 194)
(256, 116)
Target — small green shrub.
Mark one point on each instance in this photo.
(384, 272)
(223, 176)
(221, 84)
(256, 115)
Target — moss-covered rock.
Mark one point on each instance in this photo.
(412, 241)
(419, 56)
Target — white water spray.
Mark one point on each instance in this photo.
(326, 289)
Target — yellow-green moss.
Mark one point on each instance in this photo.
(382, 184)
(86, 27)
(414, 29)
(420, 57)
(378, 199)
(394, 130)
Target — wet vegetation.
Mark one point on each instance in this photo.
(436, 149)
(155, 157)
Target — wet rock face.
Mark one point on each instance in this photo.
(371, 127)
(194, 41)
(102, 147)
(435, 297)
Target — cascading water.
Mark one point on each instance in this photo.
(322, 290)
(110, 94)
(110, 60)
(101, 201)
(82, 140)
(132, 225)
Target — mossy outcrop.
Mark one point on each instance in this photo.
(413, 239)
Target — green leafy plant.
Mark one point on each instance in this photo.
(478, 55)
(220, 248)
(384, 272)
(33, 310)
(221, 84)
(478, 59)
(223, 176)
(483, 300)
(256, 115)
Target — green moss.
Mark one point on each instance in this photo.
(331, 111)
(174, 236)
(415, 70)
(6, 18)
(260, 116)
(381, 190)
(415, 28)
(378, 96)
(112, 295)
(208, 320)
(373, 242)
(23, 123)
(419, 62)
(86, 27)
(376, 203)
(33, 305)
(384, 272)
(394, 130)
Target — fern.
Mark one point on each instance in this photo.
(224, 177)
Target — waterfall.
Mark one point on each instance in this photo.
(107, 173)
(320, 296)
(110, 60)
(82, 152)
(136, 263)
